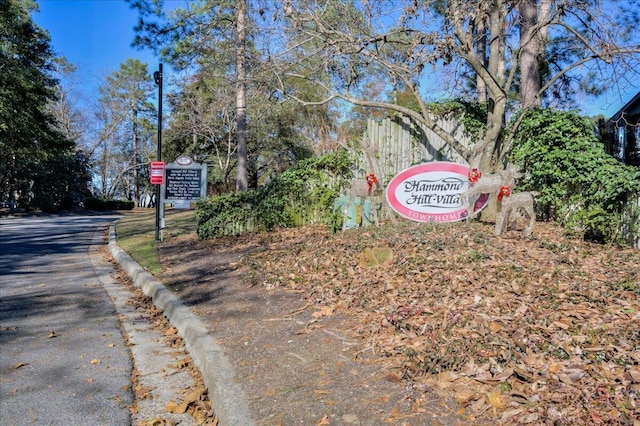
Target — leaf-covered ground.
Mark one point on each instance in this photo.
(192, 401)
(540, 330)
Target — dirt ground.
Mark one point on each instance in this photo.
(297, 364)
(421, 324)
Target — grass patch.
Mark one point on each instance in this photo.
(136, 234)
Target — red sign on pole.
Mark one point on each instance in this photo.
(157, 173)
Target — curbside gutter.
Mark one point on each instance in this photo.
(229, 403)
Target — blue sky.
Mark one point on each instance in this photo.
(96, 36)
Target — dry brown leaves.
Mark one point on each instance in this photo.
(195, 400)
(543, 329)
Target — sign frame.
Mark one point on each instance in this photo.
(430, 192)
(167, 193)
(185, 164)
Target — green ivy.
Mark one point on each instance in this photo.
(302, 195)
(474, 114)
(582, 187)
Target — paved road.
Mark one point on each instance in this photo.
(63, 358)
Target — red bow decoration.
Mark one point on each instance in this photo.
(505, 191)
(474, 175)
(371, 180)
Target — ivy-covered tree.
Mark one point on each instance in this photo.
(581, 186)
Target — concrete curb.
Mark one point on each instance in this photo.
(227, 398)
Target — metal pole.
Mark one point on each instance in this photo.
(157, 77)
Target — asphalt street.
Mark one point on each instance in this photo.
(63, 357)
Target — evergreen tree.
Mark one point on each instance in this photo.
(31, 150)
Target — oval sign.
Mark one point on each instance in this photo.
(183, 160)
(431, 192)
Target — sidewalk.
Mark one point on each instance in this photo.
(266, 357)
(228, 400)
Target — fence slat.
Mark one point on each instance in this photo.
(400, 143)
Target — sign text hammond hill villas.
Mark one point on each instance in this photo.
(430, 192)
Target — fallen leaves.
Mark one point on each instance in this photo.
(324, 421)
(496, 399)
(155, 421)
(394, 414)
(179, 408)
(324, 311)
(524, 330)
(297, 311)
(195, 401)
(142, 392)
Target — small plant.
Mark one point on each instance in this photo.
(474, 256)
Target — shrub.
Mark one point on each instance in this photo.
(302, 195)
(226, 214)
(101, 204)
(582, 187)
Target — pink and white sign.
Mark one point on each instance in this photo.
(431, 192)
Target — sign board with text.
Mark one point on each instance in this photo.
(431, 192)
(156, 175)
(185, 181)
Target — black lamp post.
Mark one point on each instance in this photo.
(157, 78)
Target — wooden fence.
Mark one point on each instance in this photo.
(394, 144)
(390, 146)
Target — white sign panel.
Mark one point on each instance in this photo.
(430, 192)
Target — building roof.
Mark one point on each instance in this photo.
(630, 108)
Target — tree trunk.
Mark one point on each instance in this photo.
(529, 60)
(135, 156)
(533, 33)
(497, 97)
(481, 49)
(104, 171)
(241, 96)
(497, 103)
